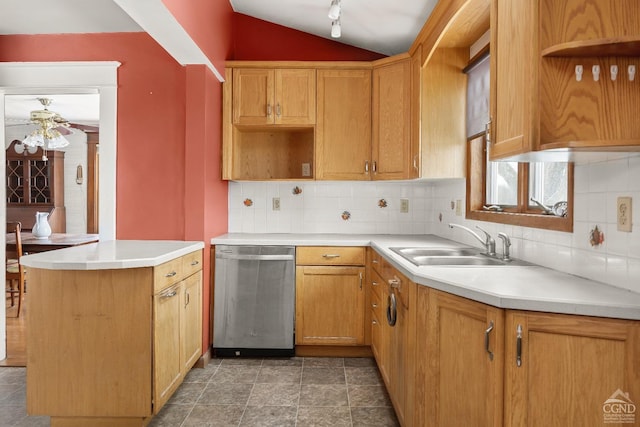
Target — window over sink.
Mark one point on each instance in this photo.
(538, 195)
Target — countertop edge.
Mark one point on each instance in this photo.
(78, 258)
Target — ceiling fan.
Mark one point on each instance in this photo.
(48, 133)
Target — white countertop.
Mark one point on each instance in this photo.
(532, 287)
(114, 254)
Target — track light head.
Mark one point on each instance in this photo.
(334, 10)
(335, 29)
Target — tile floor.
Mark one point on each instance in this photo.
(252, 392)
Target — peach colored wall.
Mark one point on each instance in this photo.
(209, 25)
(151, 124)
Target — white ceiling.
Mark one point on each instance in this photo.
(384, 26)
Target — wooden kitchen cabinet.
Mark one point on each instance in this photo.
(393, 334)
(268, 119)
(569, 366)
(460, 360)
(391, 124)
(330, 296)
(112, 345)
(343, 130)
(274, 96)
(537, 102)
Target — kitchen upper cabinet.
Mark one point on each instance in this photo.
(274, 96)
(560, 369)
(443, 109)
(268, 121)
(460, 360)
(542, 107)
(391, 147)
(343, 130)
(330, 296)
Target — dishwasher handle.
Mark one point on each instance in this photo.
(255, 257)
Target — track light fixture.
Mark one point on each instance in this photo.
(334, 10)
(335, 29)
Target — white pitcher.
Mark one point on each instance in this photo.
(41, 229)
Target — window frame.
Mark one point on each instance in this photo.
(522, 214)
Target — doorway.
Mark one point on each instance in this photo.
(68, 77)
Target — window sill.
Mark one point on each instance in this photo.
(547, 222)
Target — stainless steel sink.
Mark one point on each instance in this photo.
(451, 257)
(435, 252)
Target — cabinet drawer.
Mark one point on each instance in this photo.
(191, 263)
(376, 261)
(166, 274)
(330, 255)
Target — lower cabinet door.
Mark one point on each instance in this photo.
(191, 309)
(567, 370)
(166, 349)
(460, 354)
(330, 305)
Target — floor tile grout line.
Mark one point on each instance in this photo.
(253, 386)
(199, 396)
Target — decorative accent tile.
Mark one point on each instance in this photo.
(296, 190)
(596, 237)
(248, 202)
(346, 215)
(382, 203)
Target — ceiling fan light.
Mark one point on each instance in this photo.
(334, 10)
(34, 139)
(335, 29)
(58, 141)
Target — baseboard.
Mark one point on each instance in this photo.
(204, 360)
(333, 351)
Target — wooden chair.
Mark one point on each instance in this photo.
(15, 276)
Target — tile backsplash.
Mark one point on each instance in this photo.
(320, 206)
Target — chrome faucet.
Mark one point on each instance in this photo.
(488, 242)
(506, 243)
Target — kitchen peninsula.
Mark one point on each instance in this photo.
(115, 326)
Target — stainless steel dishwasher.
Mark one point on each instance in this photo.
(254, 294)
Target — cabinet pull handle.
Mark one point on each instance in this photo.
(173, 273)
(486, 340)
(169, 294)
(375, 261)
(278, 110)
(375, 322)
(331, 256)
(415, 162)
(194, 263)
(375, 167)
(395, 282)
(360, 280)
(392, 309)
(268, 110)
(374, 305)
(366, 166)
(187, 298)
(519, 346)
(487, 128)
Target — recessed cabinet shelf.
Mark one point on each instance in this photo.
(261, 153)
(624, 46)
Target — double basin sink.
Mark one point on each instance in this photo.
(455, 257)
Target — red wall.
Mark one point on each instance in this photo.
(209, 24)
(259, 40)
